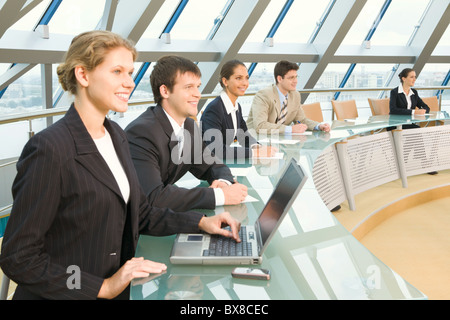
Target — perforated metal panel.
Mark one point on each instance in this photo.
(372, 161)
(426, 149)
(328, 179)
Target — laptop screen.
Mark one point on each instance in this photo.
(279, 200)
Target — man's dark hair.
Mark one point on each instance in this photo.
(166, 70)
(282, 67)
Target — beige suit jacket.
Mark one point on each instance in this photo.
(266, 108)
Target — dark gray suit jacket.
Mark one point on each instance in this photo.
(68, 211)
(152, 147)
(215, 116)
(398, 104)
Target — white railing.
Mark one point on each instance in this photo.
(60, 111)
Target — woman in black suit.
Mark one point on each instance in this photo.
(78, 206)
(405, 100)
(223, 126)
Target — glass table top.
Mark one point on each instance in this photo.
(311, 256)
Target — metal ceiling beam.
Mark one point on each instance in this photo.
(425, 38)
(49, 13)
(107, 21)
(273, 30)
(144, 67)
(12, 11)
(134, 16)
(13, 73)
(435, 22)
(367, 38)
(29, 47)
(229, 38)
(327, 41)
(260, 52)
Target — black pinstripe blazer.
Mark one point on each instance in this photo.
(68, 211)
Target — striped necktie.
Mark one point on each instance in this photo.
(283, 112)
(180, 138)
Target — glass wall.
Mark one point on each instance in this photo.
(395, 27)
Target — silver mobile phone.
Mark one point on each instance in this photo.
(250, 273)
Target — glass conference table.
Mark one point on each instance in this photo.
(311, 256)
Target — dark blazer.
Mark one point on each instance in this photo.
(398, 104)
(152, 145)
(68, 211)
(215, 116)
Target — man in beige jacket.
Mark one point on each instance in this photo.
(278, 107)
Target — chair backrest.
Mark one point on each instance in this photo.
(379, 106)
(313, 111)
(432, 102)
(345, 109)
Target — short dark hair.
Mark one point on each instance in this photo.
(404, 73)
(166, 70)
(228, 70)
(282, 67)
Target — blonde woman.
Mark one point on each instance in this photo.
(78, 206)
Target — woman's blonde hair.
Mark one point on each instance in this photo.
(88, 50)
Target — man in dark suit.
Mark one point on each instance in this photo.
(156, 135)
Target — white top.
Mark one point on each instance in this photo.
(231, 109)
(106, 148)
(177, 129)
(408, 96)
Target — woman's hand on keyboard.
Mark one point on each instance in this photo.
(214, 224)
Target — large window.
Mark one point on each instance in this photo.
(72, 17)
(395, 27)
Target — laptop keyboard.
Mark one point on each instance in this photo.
(224, 246)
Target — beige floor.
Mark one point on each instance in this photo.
(412, 235)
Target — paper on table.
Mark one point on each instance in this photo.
(188, 183)
(283, 141)
(306, 133)
(249, 198)
(240, 172)
(278, 155)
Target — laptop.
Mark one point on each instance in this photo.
(209, 249)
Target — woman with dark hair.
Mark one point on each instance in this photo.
(404, 99)
(222, 119)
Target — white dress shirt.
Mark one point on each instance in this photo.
(408, 96)
(106, 148)
(231, 109)
(177, 129)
